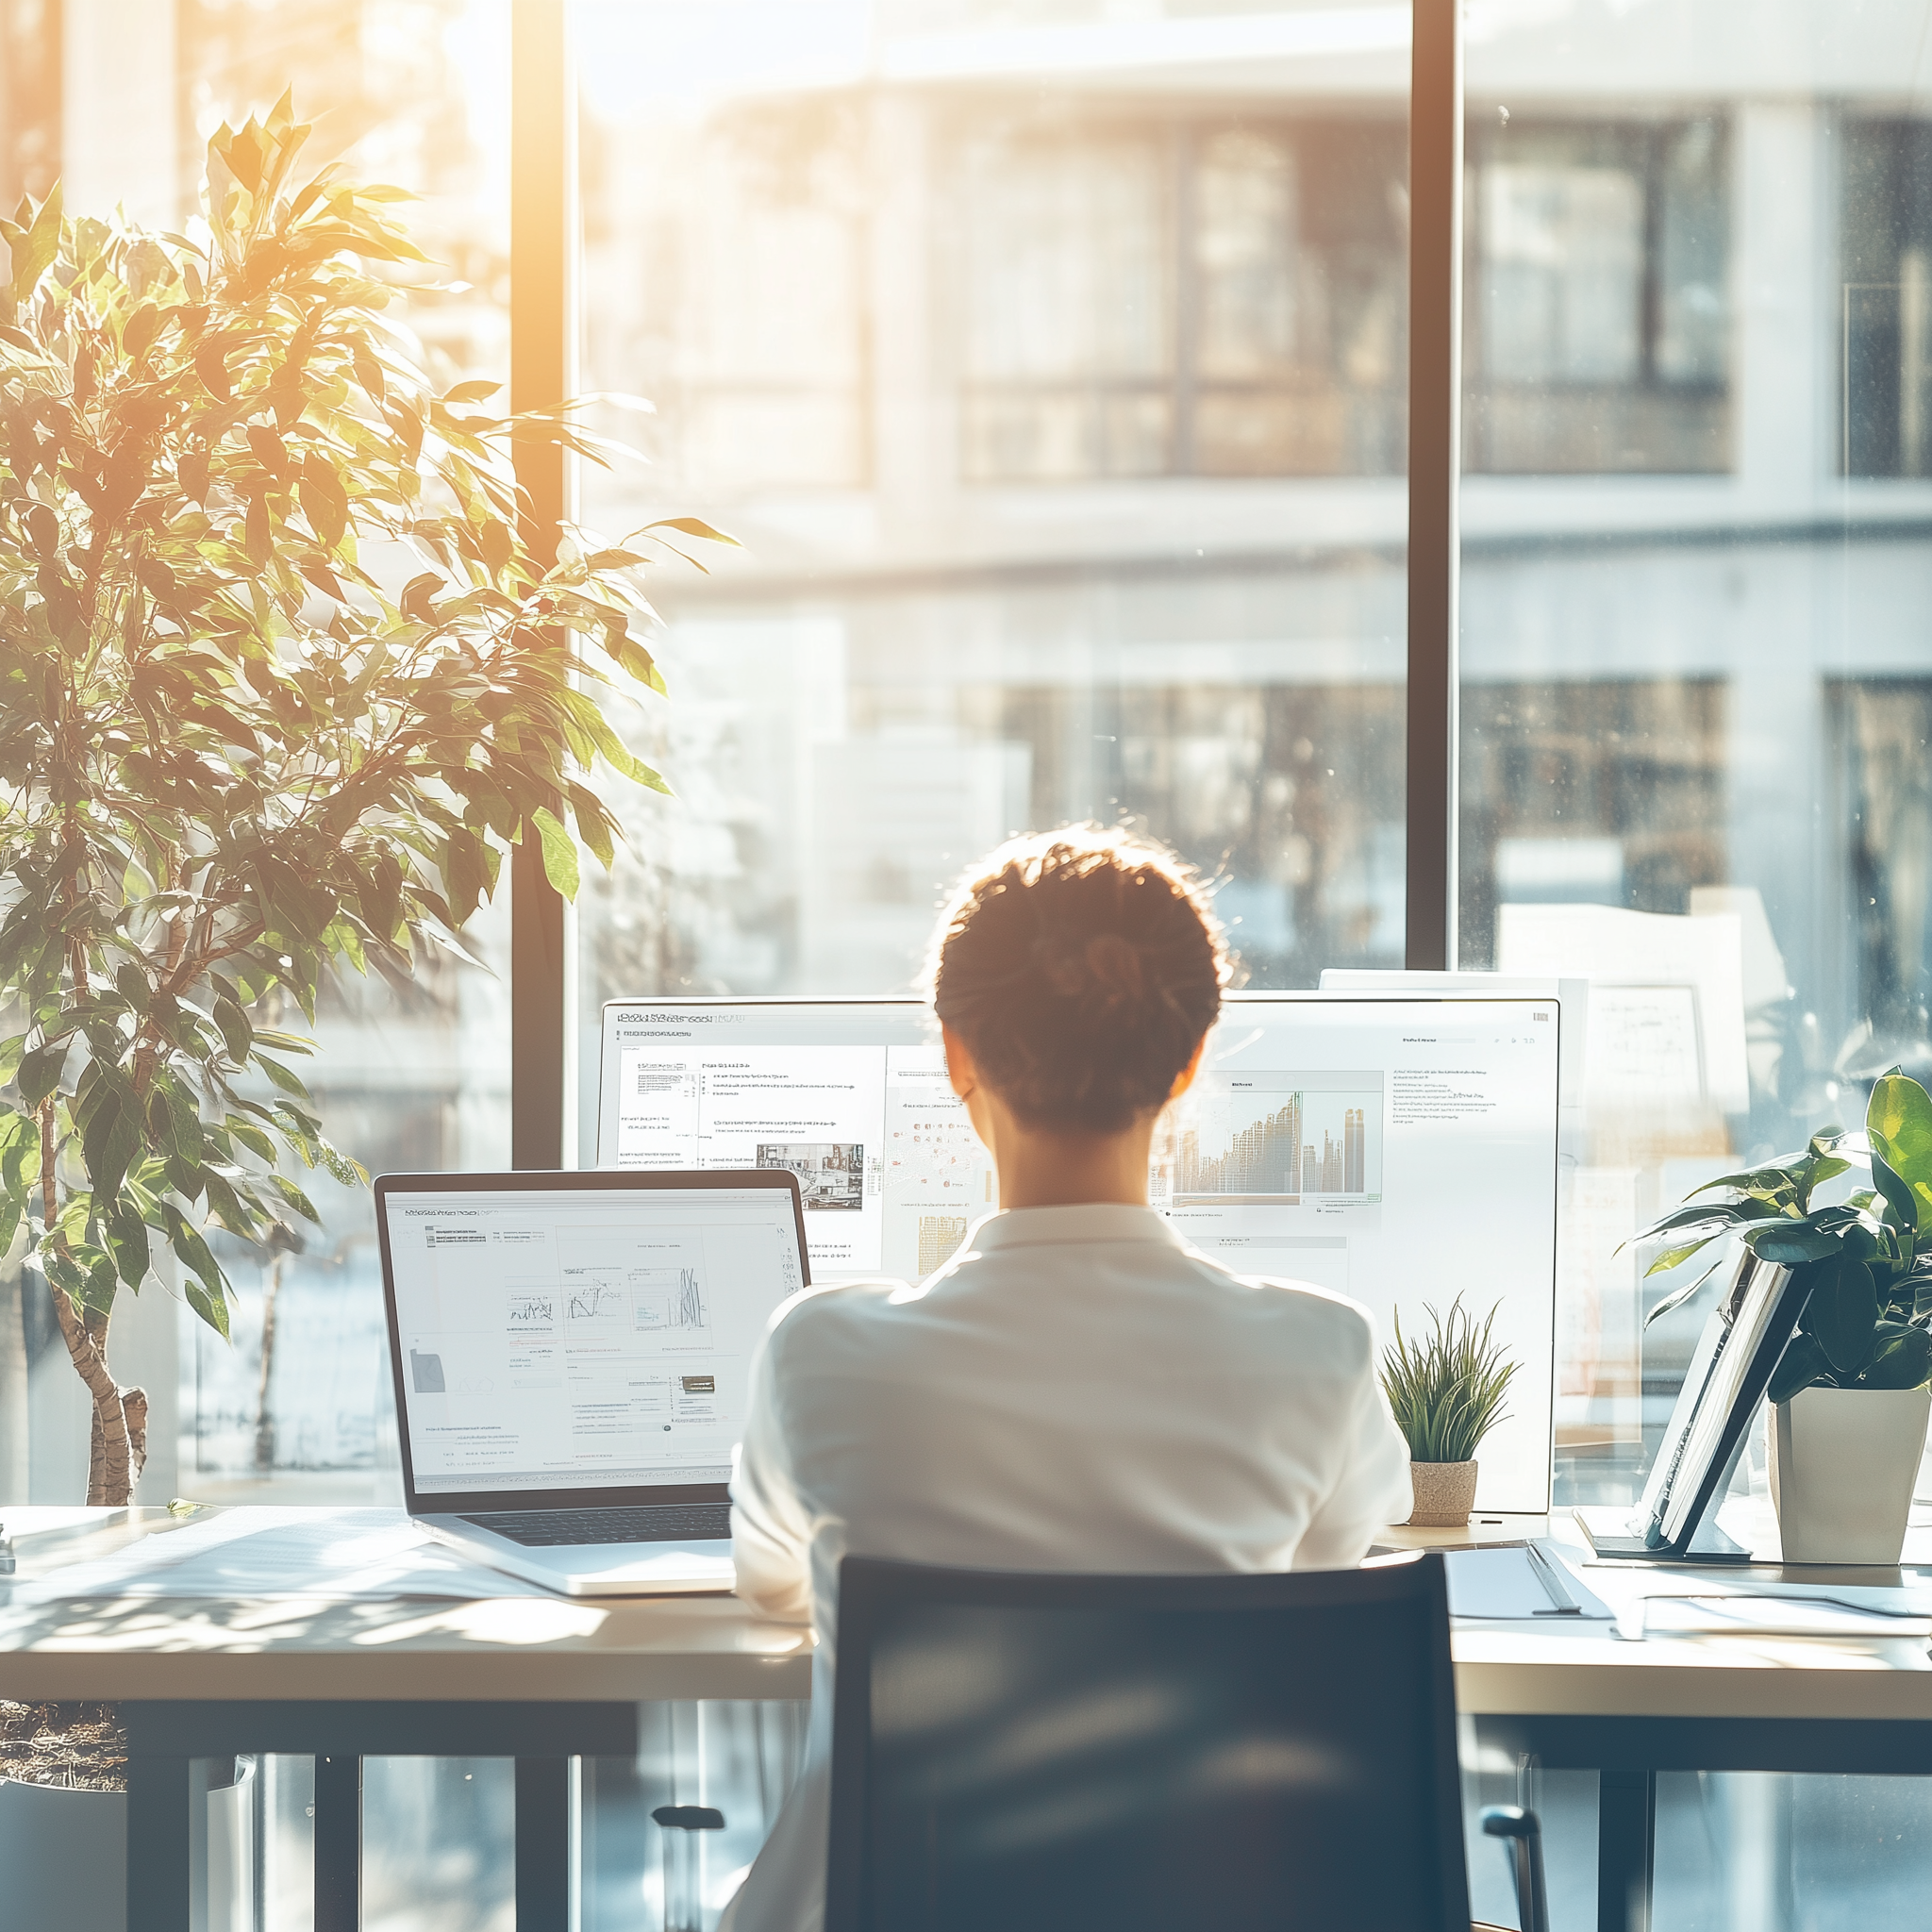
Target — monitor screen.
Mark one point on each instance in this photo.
(1400, 1150)
(851, 1095)
(562, 1338)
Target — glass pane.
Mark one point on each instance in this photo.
(413, 92)
(1055, 383)
(1697, 690)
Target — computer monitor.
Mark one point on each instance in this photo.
(851, 1095)
(1402, 1151)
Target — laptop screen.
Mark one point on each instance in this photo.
(569, 1337)
(1400, 1150)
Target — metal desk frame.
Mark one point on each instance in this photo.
(166, 1737)
(1628, 1752)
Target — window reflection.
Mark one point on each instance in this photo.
(1599, 336)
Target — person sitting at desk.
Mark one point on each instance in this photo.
(1077, 1389)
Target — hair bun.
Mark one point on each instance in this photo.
(1115, 969)
(1082, 968)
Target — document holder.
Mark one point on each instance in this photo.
(1736, 1354)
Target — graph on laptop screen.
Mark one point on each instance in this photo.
(549, 1338)
(1399, 1151)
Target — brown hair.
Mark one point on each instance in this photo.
(1081, 967)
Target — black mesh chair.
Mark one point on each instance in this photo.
(1043, 1753)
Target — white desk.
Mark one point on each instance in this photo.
(543, 1680)
(1584, 1699)
(532, 1678)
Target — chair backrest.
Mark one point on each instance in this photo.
(1144, 1754)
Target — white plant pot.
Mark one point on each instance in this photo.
(63, 1858)
(1842, 1465)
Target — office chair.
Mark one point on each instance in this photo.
(1145, 1753)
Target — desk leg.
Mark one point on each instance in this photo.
(158, 1844)
(1625, 1846)
(543, 1848)
(337, 1844)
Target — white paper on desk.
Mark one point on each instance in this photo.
(1617, 948)
(334, 1554)
(1819, 1615)
(1499, 1584)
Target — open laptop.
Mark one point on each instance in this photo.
(1398, 1148)
(571, 1355)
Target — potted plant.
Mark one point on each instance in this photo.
(238, 749)
(63, 1815)
(1850, 1393)
(1446, 1391)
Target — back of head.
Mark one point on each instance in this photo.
(1081, 967)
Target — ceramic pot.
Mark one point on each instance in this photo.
(1444, 1494)
(1842, 1464)
(64, 1855)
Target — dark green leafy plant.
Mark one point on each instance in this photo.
(1446, 1388)
(237, 748)
(1867, 1320)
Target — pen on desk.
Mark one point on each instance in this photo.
(1561, 1603)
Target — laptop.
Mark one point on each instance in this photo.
(571, 1355)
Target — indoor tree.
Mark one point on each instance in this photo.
(280, 682)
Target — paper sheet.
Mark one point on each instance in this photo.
(1819, 1615)
(1616, 948)
(336, 1555)
(1500, 1584)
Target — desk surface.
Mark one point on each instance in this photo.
(523, 1648)
(546, 1649)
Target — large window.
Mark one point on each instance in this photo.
(1028, 393)
(1693, 658)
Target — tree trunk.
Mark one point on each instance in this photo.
(119, 1445)
(264, 1416)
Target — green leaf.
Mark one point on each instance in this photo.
(559, 852)
(282, 1076)
(1678, 1296)
(1901, 1209)
(111, 1137)
(296, 1198)
(40, 1070)
(126, 1238)
(238, 1036)
(1904, 1359)
(1899, 1123)
(34, 252)
(1801, 1366)
(211, 1306)
(690, 526)
(1791, 1243)
(1841, 1311)
(1673, 1257)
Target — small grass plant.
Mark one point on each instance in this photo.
(1447, 1388)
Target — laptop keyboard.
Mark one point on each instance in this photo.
(648, 1523)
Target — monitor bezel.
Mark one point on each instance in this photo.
(552, 1181)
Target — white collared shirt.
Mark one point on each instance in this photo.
(1077, 1390)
